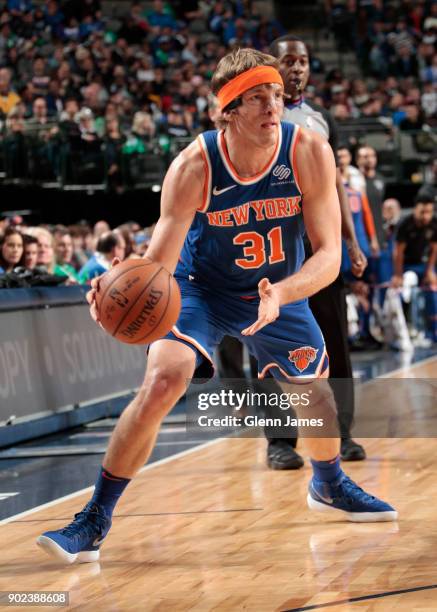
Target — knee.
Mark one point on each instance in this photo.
(160, 391)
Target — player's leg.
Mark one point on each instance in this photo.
(170, 365)
(230, 358)
(169, 368)
(292, 349)
(281, 453)
(330, 489)
(329, 309)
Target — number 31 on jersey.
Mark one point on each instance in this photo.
(254, 248)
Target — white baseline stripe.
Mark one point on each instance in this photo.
(150, 466)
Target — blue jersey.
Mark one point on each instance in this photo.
(247, 228)
(356, 205)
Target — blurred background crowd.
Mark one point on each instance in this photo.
(61, 255)
(105, 94)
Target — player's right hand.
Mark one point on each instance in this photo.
(91, 294)
(358, 259)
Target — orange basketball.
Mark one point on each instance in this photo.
(138, 301)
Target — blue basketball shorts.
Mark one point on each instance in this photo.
(291, 347)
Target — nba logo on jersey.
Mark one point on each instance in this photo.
(281, 172)
(302, 357)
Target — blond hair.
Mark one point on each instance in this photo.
(231, 65)
(237, 62)
(42, 232)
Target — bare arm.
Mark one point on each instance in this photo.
(321, 210)
(347, 224)
(369, 224)
(398, 263)
(182, 193)
(430, 276)
(357, 257)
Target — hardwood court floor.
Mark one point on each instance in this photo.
(215, 530)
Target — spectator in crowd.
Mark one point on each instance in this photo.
(366, 236)
(16, 155)
(356, 203)
(46, 250)
(140, 138)
(11, 250)
(109, 246)
(413, 120)
(30, 252)
(39, 116)
(83, 244)
(431, 174)
(161, 17)
(179, 122)
(114, 141)
(405, 63)
(68, 124)
(8, 97)
(391, 214)
(129, 240)
(159, 61)
(143, 126)
(350, 174)
(367, 162)
(90, 140)
(355, 181)
(40, 130)
(64, 256)
(40, 78)
(101, 227)
(416, 243)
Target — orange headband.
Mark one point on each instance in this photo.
(260, 75)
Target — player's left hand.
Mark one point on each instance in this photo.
(268, 309)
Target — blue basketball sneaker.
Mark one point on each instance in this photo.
(81, 539)
(345, 497)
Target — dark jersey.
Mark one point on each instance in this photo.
(417, 239)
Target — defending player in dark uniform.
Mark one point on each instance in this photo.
(328, 305)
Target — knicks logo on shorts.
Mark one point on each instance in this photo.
(302, 357)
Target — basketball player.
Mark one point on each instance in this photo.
(234, 204)
(329, 304)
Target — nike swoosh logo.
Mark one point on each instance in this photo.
(327, 500)
(98, 541)
(217, 192)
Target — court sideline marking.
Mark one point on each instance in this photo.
(362, 598)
